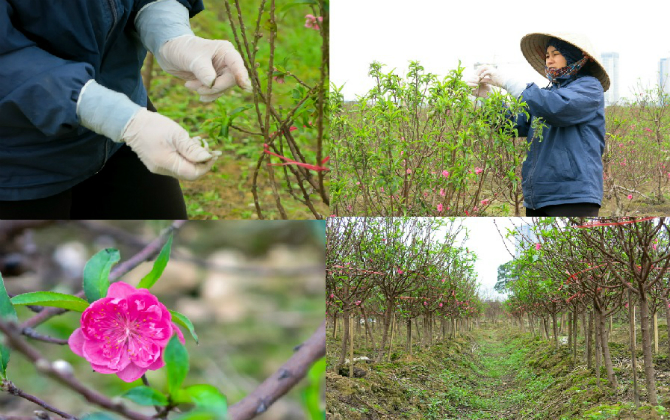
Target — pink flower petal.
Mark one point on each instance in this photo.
(131, 373)
(76, 342)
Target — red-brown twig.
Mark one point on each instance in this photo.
(282, 380)
(13, 336)
(146, 254)
(10, 388)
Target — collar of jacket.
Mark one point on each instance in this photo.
(564, 80)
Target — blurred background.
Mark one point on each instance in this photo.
(254, 290)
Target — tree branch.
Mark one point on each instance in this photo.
(9, 387)
(146, 254)
(284, 379)
(14, 340)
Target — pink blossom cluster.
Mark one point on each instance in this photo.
(313, 21)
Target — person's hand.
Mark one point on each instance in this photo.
(166, 148)
(209, 66)
(480, 89)
(500, 78)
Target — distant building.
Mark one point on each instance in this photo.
(610, 61)
(664, 74)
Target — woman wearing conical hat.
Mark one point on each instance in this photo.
(563, 173)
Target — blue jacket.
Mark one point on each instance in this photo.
(48, 51)
(566, 165)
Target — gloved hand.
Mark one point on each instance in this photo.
(162, 145)
(165, 147)
(502, 79)
(209, 66)
(480, 89)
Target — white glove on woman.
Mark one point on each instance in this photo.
(162, 145)
(479, 89)
(502, 79)
(209, 66)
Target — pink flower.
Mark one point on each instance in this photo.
(484, 202)
(478, 170)
(441, 305)
(425, 303)
(538, 246)
(332, 295)
(358, 302)
(648, 130)
(440, 208)
(442, 192)
(630, 196)
(313, 21)
(400, 271)
(654, 246)
(409, 171)
(445, 174)
(124, 333)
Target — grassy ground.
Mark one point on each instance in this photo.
(226, 191)
(494, 372)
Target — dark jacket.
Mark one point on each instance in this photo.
(566, 165)
(48, 51)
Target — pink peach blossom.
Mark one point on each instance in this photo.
(445, 174)
(440, 208)
(630, 196)
(313, 21)
(478, 170)
(538, 246)
(124, 333)
(442, 192)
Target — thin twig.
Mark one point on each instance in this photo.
(283, 379)
(31, 333)
(10, 388)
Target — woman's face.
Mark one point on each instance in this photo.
(554, 58)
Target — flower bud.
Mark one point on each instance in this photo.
(62, 367)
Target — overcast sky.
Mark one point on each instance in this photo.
(439, 33)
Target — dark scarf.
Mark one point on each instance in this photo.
(572, 56)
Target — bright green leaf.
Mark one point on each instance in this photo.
(96, 273)
(176, 360)
(7, 313)
(209, 398)
(159, 266)
(58, 300)
(184, 322)
(143, 395)
(198, 415)
(312, 393)
(98, 416)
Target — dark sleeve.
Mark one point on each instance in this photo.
(37, 89)
(194, 6)
(576, 103)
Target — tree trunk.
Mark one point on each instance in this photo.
(667, 319)
(393, 322)
(345, 336)
(655, 332)
(575, 330)
(646, 350)
(409, 335)
(335, 324)
(553, 318)
(607, 359)
(598, 343)
(589, 340)
(351, 347)
(631, 321)
(368, 330)
(387, 324)
(530, 323)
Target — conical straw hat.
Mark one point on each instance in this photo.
(534, 48)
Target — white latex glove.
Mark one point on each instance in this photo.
(209, 66)
(479, 89)
(162, 145)
(501, 78)
(165, 147)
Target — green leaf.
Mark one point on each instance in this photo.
(209, 398)
(184, 322)
(7, 313)
(58, 300)
(312, 393)
(159, 266)
(143, 395)
(96, 273)
(176, 359)
(197, 415)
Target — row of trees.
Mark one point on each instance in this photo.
(421, 145)
(589, 271)
(396, 270)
